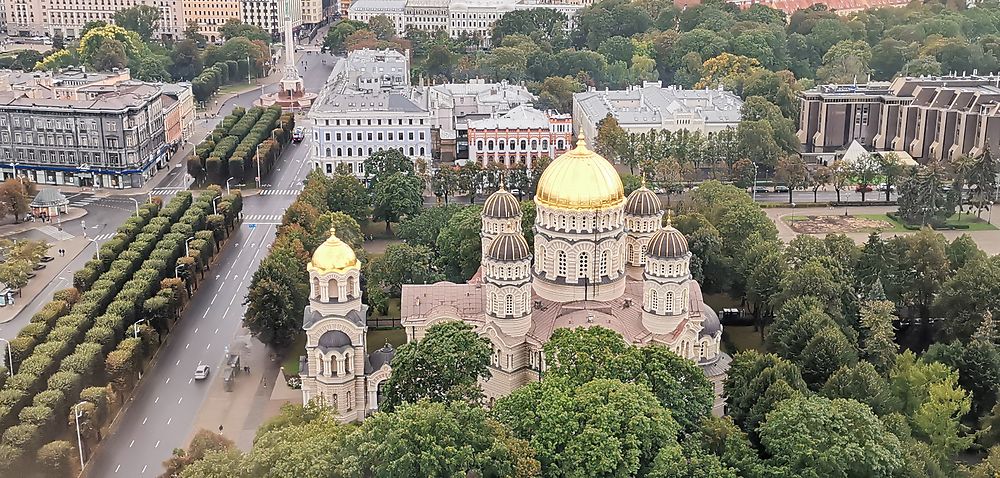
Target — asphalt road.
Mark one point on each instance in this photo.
(162, 412)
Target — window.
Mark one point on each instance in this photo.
(604, 263)
(509, 305)
(340, 152)
(582, 265)
(411, 138)
(329, 168)
(669, 306)
(327, 136)
(654, 301)
(562, 264)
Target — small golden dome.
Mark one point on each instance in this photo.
(580, 179)
(333, 255)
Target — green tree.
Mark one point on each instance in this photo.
(924, 197)
(603, 428)
(927, 269)
(423, 228)
(459, 245)
(401, 264)
(982, 181)
(541, 24)
(234, 28)
(750, 377)
(878, 345)
(110, 55)
(863, 383)
(966, 296)
(142, 19)
(556, 92)
(819, 437)
(395, 197)
(348, 195)
(305, 442)
(453, 439)
(427, 368)
(382, 164)
(938, 419)
(277, 295)
(845, 62)
(892, 168)
(978, 365)
(791, 170)
(186, 58)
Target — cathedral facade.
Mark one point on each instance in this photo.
(599, 258)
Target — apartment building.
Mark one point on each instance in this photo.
(363, 109)
(639, 109)
(269, 15)
(67, 17)
(178, 112)
(928, 118)
(110, 136)
(520, 136)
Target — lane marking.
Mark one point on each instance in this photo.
(209, 346)
(156, 401)
(157, 445)
(216, 330)
(144, 420)
(170, 420)
(206, 313)
(143, 468)
(178, 362)
(190, 380)
(186, 346)
(179, 400)
(168, 381)
(196, 330)
(234, 295)
(227, 312)
(130, 444)
(214, 297)
(222, 285)
(118, 467)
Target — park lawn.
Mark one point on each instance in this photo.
(376, 230)
(742, 337)
(291, 362)
(974, 223)
(896, 225)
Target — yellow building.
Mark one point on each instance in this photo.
(211, 15)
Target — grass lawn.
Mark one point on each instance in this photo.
(376, 230)
(974, 223)
(742, 337)
(896, 226)
(378, 337)
(291, 362)
(888, 226)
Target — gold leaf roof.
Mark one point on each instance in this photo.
(580, 179)
(333, 255)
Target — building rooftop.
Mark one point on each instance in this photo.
(651, 104)
(521, 117)
(367, 102)
(378, 5)
(120, 98)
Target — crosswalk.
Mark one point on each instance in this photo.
(104, 237)
(53, 232)
(279, 192)
(169, 191)
(81, 201)
(262, 218)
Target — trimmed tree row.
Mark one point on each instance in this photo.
(231, 149)
(86, 347)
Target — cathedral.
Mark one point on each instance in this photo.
(599, 258)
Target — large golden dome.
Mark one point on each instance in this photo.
(580, 179)
(333, 255)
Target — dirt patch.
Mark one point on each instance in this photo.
(831, 224)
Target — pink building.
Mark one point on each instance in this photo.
(519, 136)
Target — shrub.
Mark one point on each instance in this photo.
(57, 459)
(56, 346)
(37, 415)
(69, 295)
(53, 399)
(69, 383)
(20, 348)
(13, 397)
(21, 436)
(35, 330)
(29, 383)
(99, 396)
(37, 365)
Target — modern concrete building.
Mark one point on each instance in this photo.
(652, 107)
(932, 118)
(378, 71)
(110, 136)
(520, 136)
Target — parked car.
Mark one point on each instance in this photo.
(298, 135)
(781, 189)
(883, 187)
(37, 267)
(201, 373)
(760, 189)
(860, 188)
(47, 259)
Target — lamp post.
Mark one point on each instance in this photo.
(79, 439)
(176, 269)
(135, 332)
(990, 219)
(136, 206)
(754, 181)
(215, 209)
(187, 249)
(258, 164)
(150, 194)
(10, 359)
(227, 185)
(97, 247)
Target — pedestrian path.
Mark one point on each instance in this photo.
(279, 192)
(55, 233)
(262, 218)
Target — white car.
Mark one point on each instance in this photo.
(201, 372)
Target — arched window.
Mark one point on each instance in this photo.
(489, 145)
(347, 363)
(582, 265)
(349, 152)
(669, 306)
(340, 152)
(524, 145)
(421, 150)
(654, 301)
(411, 150)
(350, 404)
(562, 264)
(509, 306)
(642, 254)
(628, 253)
(479, 145)
(604, 263)
(489, 302)
(545, 144)
(329, 152)
(534, 144)
(334, 404)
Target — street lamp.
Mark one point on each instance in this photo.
(10, 359)
(990, 219)
(150, 194)
(97, 247)
(137, 205)
(227, 185)
(215, 209)
(79, 440)
(754, 181)
(258, 163)
(135, 333)
(176, 269)
(187, 249)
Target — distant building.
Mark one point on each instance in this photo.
(68, 17)
(639, 109)
(933, 118)
(374, 71)
(211, 15)
(841, 7)
(269, 15)
(473, 18)
(454, 105)
(520, 136)
(109, 136)
(178, 112)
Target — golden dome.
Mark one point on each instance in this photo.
(580, 179)
(333, 255)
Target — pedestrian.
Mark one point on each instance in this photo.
(248, 370)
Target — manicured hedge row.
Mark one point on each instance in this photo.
(68, 343)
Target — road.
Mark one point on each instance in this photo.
(803, 197)
(161, 414)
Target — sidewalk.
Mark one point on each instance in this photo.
(11, 229)
(251, 402)
(44, 277)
